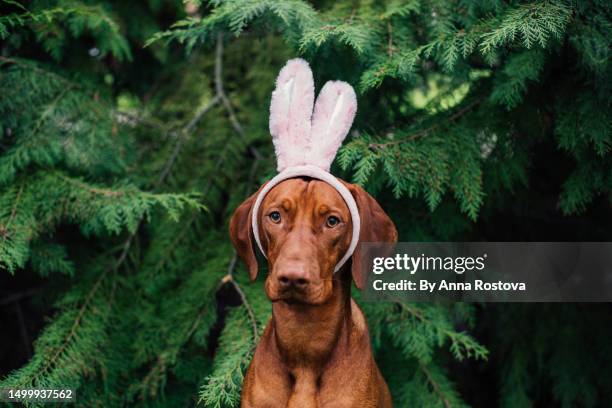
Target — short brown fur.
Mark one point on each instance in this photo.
(315, 351)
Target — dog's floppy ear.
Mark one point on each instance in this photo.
(241, 234)
(376, 226)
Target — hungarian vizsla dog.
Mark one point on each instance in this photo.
(315, 351)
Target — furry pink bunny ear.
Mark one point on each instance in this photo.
(332, 119)
(290, 113)
(298, 140)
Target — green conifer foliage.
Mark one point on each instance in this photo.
(130, 131)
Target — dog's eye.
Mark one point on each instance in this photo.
(332, 221)
(275, 217)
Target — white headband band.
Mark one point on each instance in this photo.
(306, 140)
(317, 173)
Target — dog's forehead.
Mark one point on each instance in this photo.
(310, 190)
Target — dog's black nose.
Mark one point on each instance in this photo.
(293, 278)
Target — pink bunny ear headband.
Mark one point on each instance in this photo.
(306, 142)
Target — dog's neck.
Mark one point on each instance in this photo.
(308, 335)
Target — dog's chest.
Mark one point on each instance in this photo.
(343, 382)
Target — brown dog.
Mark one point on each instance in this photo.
(315, 351)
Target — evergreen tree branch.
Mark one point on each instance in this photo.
(230, 278)
(182, 136)
(232, 266)
(35, 68)
(87, 303)
(168, 356)
(106, 192)
(434, 384)
(462, 345)
(78, 17)
(424, 132)
(4, 229)
(223, 96)
(220, 95)
(50, 362)
(390, 46)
